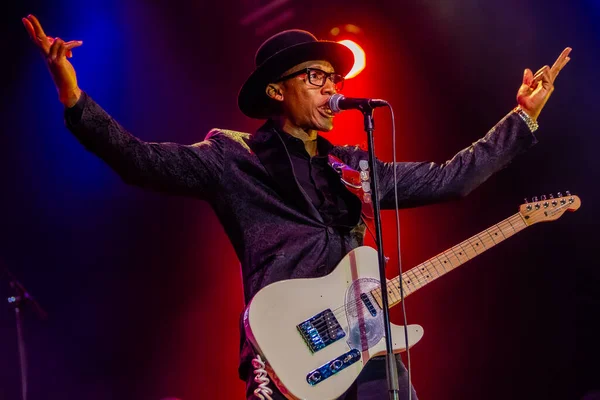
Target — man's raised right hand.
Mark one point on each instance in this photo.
(56, 51)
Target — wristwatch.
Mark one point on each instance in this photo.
(531, 123)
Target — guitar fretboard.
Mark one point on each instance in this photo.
(430, 270)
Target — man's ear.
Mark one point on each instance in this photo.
(274, 91)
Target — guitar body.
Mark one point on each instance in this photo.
(318, 334)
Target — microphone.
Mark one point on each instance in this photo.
(338, 103)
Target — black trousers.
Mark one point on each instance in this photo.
(371, 384)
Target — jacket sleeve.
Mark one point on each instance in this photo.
(421, 183)
(166, 167)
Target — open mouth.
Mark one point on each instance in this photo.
(326, 111)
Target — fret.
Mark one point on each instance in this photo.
(508, 229)
(421, 277)
(478, 245)
(405, 288)
(473, 247)
(421, 280)
(426, 271)
(447, 261)
(376, 293)
(483, 240)
(500, 229)
(511, 225)
(452, 252)
(521, 222)
(391, 294)
(396, 290)
(396, 284)
(407, 291)
(411, 281)
(491, 237)
(430, 270)
(462, 252)
(437, 272)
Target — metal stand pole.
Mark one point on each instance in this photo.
(21, 297)
(391, 367)
(16, 302)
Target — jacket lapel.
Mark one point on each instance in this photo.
(272, 153)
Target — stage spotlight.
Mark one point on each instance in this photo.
(359, 58)
(350, 35)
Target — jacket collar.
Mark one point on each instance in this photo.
(270, 149)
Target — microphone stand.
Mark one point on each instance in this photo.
(391, 367)
(20, 297)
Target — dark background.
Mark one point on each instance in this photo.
(143, 290)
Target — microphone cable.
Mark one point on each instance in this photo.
(397, 214)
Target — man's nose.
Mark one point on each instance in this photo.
(329, 87)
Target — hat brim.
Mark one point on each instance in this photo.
(252, 98)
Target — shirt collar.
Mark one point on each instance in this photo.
(296, 146)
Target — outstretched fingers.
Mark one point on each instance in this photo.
(36, 32)
(52, 48)
(547, 75)
(561, 61)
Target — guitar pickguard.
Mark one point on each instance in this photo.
(365, 320)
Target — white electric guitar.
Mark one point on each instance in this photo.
(316, 335)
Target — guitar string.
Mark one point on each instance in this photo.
(352, 306)
(518, 221)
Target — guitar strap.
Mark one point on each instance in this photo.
(359, 184)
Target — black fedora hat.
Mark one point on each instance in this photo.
(280, 53)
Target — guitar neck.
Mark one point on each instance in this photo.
(419, 276)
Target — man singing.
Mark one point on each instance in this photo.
(283, 206)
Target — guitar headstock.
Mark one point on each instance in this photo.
(548, 208)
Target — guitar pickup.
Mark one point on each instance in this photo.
(367, 302)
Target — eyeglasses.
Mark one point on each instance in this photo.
(318, 77)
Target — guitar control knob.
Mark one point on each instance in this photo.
(335, 365)
(315, 377)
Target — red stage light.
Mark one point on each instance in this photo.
(359, 58)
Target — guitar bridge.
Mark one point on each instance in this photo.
(320, 331)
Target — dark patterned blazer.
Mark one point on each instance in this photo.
(249, 181)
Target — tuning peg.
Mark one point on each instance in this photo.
(534, 199)
(526, 201)
(551, 196)
(543, 197)
(568, 193)
(559, 194)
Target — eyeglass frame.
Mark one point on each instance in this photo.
(328, 75)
